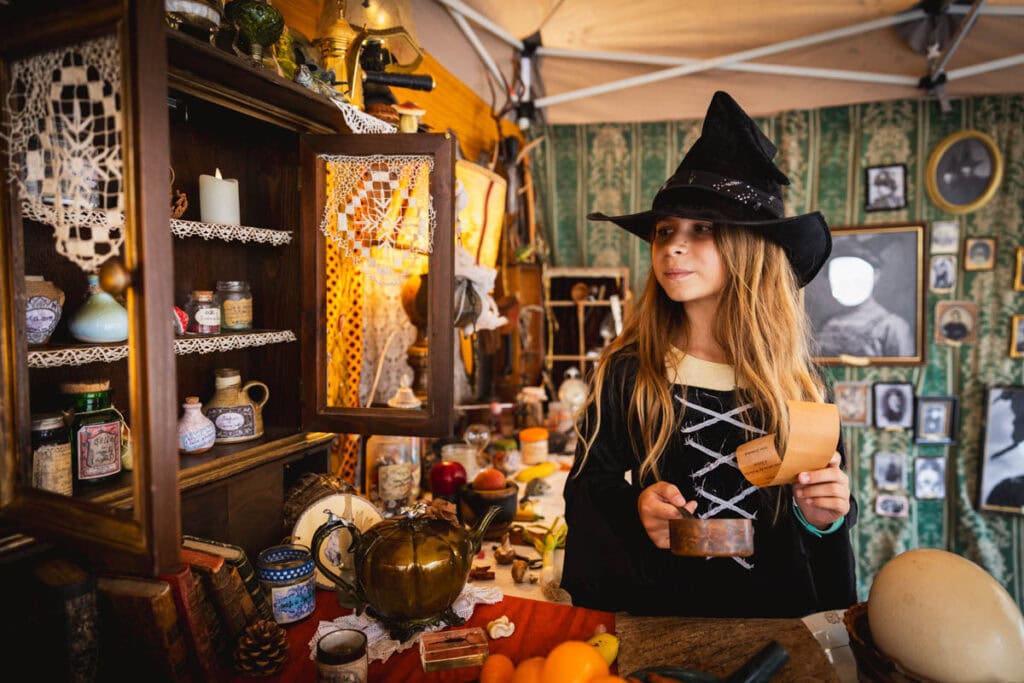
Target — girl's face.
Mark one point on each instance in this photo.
(686, 261)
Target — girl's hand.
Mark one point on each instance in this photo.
(657, 504)
(823, 495)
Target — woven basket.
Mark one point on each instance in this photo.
(872, 664)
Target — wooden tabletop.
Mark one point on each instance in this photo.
(718, 646)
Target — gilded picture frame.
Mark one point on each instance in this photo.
(1017, 336)
(936, 419)
(964, 171)
(1018, 271)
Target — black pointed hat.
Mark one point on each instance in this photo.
(728, 177)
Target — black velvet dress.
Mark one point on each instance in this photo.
(611, 564)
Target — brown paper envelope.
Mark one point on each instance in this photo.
(813, 438)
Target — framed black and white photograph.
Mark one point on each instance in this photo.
(1017, 336)
(894, 405)
(1002, 458)
(929, 478)
(956, 322)
(945, 237)
(942, 278)
(854, 402)
(963, 171)
(867, 302)
(979, 253)
(937, 419)
(890, 471)
(1018, 271)
(885, 187)
(889, 505)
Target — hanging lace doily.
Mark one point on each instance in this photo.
(387, 334)
(360, 122)
(380, 213)
(64, 136)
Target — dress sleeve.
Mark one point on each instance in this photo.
(606, 542)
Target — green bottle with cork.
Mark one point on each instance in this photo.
(96, 432)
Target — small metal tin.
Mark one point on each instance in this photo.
(287, 574)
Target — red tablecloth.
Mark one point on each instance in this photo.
(539, 627)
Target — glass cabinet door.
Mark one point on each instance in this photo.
(378, 300)
(89, 453)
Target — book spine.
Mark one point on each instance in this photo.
(141, 635)
(64, 612)
(209, 613)
(252, 584)
(197, 633)
(233, 601)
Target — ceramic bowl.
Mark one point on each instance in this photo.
(473, 504)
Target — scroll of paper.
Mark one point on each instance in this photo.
(813, 437)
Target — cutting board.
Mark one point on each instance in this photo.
(718, 646)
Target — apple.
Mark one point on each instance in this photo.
(446, 478)
(489, 479)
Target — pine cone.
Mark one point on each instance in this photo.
(262, 649)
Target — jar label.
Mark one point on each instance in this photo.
(208, 316)
(233, 421)
(534, 452)
(200, 437)
(238, 313)
(41, 315)
(51, 468)
(294, 602)
(99, 450)
(395, 482)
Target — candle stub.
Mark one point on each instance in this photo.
(218, 199)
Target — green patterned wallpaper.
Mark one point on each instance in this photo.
(617, 168)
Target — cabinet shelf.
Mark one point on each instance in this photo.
(230, 233)
(83, 354)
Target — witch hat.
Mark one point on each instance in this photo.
(728, 177)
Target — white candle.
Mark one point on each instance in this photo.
(218, 199)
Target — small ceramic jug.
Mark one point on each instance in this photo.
(196, 433)
(42, 308)
(101, 319)
(233, 412)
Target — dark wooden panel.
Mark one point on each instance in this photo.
(205, 512)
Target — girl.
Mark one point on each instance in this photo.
(717, 344)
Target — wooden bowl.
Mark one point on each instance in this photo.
(695, 537)
(872, 663)
(473, 504)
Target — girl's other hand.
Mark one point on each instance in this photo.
(657, 504)
(823, 495)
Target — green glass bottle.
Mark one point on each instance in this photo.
(95, 433)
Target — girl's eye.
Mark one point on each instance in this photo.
(703, 228)
(662, 231)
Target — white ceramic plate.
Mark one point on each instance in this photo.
(334, 551)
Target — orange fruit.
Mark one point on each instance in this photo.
(573, 661)
(610, 678)
(497, 668)
(529, 670)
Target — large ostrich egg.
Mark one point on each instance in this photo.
(944, 618)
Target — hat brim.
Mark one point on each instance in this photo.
(806, 238)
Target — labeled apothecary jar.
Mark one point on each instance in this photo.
(287, 574)
(235, 300)
(96, 432)
(203, 313)
(51, 454)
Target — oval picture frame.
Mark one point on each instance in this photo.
(964, 171)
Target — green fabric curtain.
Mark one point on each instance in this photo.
(617, 168)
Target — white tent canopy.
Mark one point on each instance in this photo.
(644, 60)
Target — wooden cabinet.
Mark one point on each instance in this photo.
(188, 109)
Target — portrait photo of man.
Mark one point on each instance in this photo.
(885, 187)
(867, 299)
(979, 253)
(943, 273)
(894, 405)
(890, 470)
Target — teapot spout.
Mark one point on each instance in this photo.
(477, 534)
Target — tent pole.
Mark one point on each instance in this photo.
(482, 21)
(481, 52)
(985, 67)
(779, 69)
(965, 27)
(716, 62)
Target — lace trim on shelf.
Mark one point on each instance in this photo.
(83, 355)
(360, 122)
(228, 233)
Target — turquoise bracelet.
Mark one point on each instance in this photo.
(813, 529)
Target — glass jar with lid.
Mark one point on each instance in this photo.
(51, 454)
(235, 300)
(203, 313)
(96, 432)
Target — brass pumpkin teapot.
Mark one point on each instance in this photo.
(407, 570)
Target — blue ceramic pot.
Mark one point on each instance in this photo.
(101, 319)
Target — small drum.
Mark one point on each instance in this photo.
(695, 537)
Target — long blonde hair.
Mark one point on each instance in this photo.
(761, 325)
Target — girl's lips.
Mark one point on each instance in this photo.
(677, 274)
